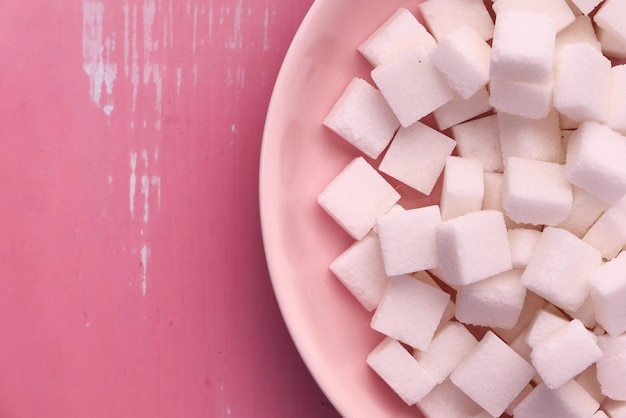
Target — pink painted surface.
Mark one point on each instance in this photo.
(133, 281)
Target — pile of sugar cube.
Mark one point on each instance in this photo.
(508, 297)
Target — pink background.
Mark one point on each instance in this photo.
(133, 280)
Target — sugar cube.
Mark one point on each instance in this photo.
(412, 86)
(448, 401)
(463, 187)
(410, 311)
(610, 17)
(462, 56)
(444, 16)
(481, 374)
(395, 365)
(360, 268)
(473, 247)
(617, 103)
(582, 83)
(479, 139)
(522, 242)
(612, 45)
(595, 156)
(615, 409)
(579, 31)
(451, 344)
(536, 192)
(532, 303)
(586, 209)
(554, 359)
(400, 33)
(608, 233)
(557, 10)
(493, 302)
(611, 368)
(356, 197)
(531, 100)
(543, 325)
(407, 240)
(459, 110)
(607, 288)
(362, 117)
(568, 401)
(563, 279)
(422, 143)
(520, 53)
(537, 139)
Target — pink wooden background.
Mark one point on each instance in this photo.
(133, 281)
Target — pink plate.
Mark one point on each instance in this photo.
(299, 157)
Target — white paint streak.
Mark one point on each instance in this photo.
(236, 40)
(97, 51)
(156, 182)
(134, 75)
(133, 182)
(194, 41)
(145, 191)
(126, 10)
(145, 254)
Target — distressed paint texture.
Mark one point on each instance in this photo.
(134, 282)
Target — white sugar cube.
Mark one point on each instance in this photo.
(410, 311)
(562, 279)
(481, 374)
(610, 17)
(579, 31)
(362, 117)
(536, 192)
(608, 233)
(522, 242)
(586, 209)
(493, 302)
(417, 156)
(407, 240)
(617, 111)
(522, 395)
(473, 247)
(493, 196)
(444, 16)
(611, 368)
(557, 10)
(395, 365)
(459, 110)
(462, 56)
(585, 313)
(523, 47)
(553, 359)
(400, 33)
(543, 325)
(537, 139)
(595, 161)
(356, 197)
(586, 6)
(531, 100)
(568, 401)
(582, 83)
(448, 314)
(479, 139)
(588, 379)
(600, 414)
(451, 344)
(412, 86)
(612, 45)
(532, 303)
(463, 187)
(448, 401)
(360, 268)
(607, 287)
